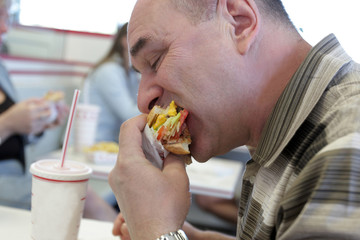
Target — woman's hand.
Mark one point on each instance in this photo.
(27, 117)
(62, 114)
(152, 201)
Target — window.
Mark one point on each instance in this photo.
(317, 18)
(99, 16)
(314, 18)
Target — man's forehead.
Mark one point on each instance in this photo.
(144, 13)
(149, 20)
(148, 11)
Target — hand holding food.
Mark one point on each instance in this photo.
(53, 98)
(135, 180)
(166, 131)
(59, 109)
(26, 117)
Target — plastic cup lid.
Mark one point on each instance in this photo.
(51, 169)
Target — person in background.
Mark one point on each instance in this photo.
(113, 86)
(246, 77)
(20, 123)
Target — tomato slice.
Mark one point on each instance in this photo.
(184, 113)
(161, 132)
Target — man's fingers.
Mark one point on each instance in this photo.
(174, 167)
(174, 160)
(117, 225)
(130, 128)
(125, 235)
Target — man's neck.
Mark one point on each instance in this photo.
(280, 56)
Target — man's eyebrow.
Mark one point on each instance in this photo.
(141, 42)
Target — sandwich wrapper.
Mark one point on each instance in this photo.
(153, 150)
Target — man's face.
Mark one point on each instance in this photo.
(192, 65)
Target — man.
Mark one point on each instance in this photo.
(247, 78)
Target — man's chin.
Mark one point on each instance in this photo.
(200, 155)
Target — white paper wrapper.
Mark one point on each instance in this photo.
(54, 113)
(153, 149)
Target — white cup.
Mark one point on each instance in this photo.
(58, 198)
(85, 126)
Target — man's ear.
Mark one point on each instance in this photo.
(243, 15)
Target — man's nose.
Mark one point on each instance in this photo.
(148, 94)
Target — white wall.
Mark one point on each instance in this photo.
(56, 44)
(85, 48)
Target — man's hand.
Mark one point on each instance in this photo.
(152, 201)
(120, 228)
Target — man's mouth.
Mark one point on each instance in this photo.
(152, 103)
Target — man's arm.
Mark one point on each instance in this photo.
(120, 229)
(153, 201)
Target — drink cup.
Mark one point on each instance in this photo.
(58, 198)
(85, 121)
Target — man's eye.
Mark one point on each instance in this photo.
(155, 65)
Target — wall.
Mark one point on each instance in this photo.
(57, 44)
(43, 59)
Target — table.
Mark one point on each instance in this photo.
(217, 177)
(15, 224)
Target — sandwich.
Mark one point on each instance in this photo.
(54, 96)
(166, 130)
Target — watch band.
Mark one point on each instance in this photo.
(178, 235)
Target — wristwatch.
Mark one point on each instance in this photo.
(178, 235)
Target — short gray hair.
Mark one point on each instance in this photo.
(196, 10)
(203, 10)
(275, 10)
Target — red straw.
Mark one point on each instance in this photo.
(69, 123)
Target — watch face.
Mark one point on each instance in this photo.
(178, 235)
(182, 234)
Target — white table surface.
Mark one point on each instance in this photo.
(217, 177)
(15, 224)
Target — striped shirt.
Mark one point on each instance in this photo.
(303, 181)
